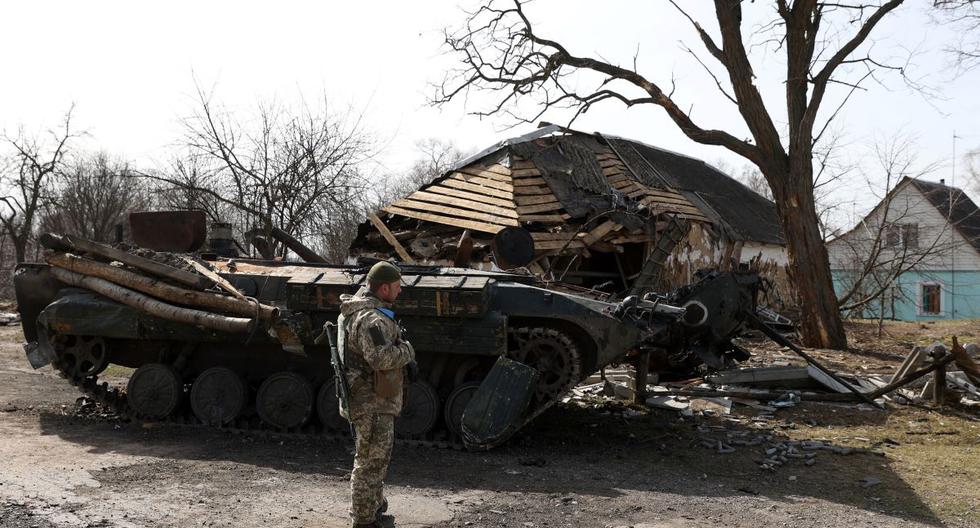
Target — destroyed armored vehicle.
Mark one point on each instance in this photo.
(232, 342)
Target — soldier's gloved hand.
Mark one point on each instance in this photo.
(412, 372)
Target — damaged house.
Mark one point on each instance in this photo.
(592, 210)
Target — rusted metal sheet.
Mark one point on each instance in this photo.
(174, 231)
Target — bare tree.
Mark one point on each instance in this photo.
(435, 158)
(26, 180)
(92, 196)
(964, 17)
(295, 169)
(195, 176)
(972, 159)
(891, 240)
(824, 45)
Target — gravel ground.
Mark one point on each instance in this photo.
(599, 464)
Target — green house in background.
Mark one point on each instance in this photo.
(914, 257)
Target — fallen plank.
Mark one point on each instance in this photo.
(386, 233)
(447, 220)
(218, 279)
(600, 231)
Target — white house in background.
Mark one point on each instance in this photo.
(922, 242)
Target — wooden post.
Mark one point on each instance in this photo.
(939, 385)
(640, 381)
(386, 233)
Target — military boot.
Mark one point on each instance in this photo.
(381, 509)
(373, 524)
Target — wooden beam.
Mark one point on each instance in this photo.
(600, 231)
(218, 279)
(198, 282)
(446, 220)
(386, 233)
(557, 244)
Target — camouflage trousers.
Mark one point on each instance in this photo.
(375, 435)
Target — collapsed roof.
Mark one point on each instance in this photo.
(574, 194)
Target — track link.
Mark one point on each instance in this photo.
(115, 399)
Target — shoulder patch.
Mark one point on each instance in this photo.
(377, 336)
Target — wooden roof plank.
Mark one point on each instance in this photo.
(465, 186)
(479, 180)
(532, 191)
(470, 196)
(446, 220)
(540, 208)
(534, 200)
(483, 173)
(452, 211)
(525, 182)
(465, 204)
(520, 173)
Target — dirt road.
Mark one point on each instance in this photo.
(577, 466)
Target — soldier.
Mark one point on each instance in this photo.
(375, 356)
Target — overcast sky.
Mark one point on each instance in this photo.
(130, 67)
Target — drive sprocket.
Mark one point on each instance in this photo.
(553, 354)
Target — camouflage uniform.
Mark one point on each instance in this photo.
(374, 356)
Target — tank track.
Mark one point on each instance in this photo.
(115, 399)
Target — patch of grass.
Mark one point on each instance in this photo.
(117, 371)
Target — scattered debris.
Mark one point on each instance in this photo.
(868, 482)
(7, 319)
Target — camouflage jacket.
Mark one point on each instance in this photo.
(371, 346)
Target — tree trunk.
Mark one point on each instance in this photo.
(20, 249)
(809, 265)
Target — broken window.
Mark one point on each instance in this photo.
(931, 298)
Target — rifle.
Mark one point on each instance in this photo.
(339, 373)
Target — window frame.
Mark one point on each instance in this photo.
(919, 299)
